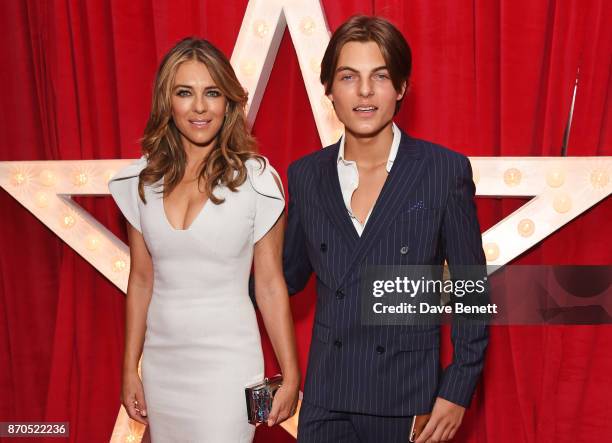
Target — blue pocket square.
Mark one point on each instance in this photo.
(416, 206)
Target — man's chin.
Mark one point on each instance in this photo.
(366, 131)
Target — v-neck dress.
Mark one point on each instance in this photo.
(202, 343)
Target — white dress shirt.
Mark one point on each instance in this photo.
(348, 174)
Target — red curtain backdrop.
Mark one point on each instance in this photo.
(491, 78)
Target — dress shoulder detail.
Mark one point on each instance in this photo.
(123, 186)
(270, 199)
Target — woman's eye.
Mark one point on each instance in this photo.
(213, 93)
(183, 93)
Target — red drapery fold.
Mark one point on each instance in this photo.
(490, 78)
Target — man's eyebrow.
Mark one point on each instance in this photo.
(348, 68)
(345, 68)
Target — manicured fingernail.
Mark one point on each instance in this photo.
(144, 412)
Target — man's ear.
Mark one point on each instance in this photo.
(330, 97)
(404, 88)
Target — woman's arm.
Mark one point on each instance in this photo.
(273, 301)
(140, 289)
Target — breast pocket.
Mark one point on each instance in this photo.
(421, 214)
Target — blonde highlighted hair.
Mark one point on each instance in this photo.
(161, 142)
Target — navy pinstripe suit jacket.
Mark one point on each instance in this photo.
(425, 214)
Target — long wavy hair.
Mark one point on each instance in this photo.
(161, 142)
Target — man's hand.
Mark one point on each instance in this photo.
(444, 422)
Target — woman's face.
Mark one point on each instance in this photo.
(198, 106)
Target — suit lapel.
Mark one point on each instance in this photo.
(403, 178)
(331, 196)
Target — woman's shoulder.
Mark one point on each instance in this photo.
(269, 195)
(263, 177)
(257, 163)
(123, 187)
(132, 170)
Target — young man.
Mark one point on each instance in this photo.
(378, 197)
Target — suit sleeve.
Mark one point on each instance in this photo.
(296, 264)
(463, 246)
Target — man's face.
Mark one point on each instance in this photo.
(362, 91)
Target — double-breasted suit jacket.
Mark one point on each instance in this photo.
(425, 214)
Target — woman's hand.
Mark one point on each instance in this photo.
(284, 403)
(132, 397)
(273, 301)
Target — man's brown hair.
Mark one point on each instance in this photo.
(363, 28)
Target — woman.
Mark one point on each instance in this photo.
(202, 207)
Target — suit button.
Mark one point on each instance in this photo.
(338, 343)
(339, 294)
(380, 349)
(404, 250)
(323, 247)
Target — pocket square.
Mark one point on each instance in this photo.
(416, 206)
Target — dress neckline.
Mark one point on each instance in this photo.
(165, 215)
(193, 222)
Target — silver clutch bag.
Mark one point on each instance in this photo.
(259, 398)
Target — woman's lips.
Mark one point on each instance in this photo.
(200, 123)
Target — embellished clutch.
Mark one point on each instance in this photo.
(259, 398)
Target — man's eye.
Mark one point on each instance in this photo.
(346, 77)
(382, 76)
